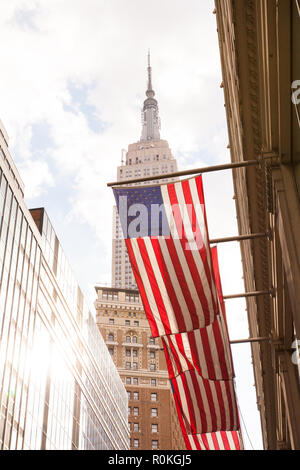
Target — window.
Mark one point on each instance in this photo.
(154, 412)
(128, 380)
(135, 365)
(152, 367)
(136, 443)
(135, 381)
(129, 395)
(129, 410)
(134, 339)
(152, 354)
(128, 339)
(154, 427)
(155, 444)
(135, 353)
(128, 353)
(153, 382)
(132, 297)
(135, 395)
(128, 365)
(111, 337)
(127, 322)
(151, 341)
(111, 351)
(135, 411)
(136, 427)
(153, 396)
(106, 295)
(136, 323)
(111, 321)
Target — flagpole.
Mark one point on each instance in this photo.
(249, 294)
(207, 169)
(239, 238)
(250, 340)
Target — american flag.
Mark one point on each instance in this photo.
(170, 254)
(207, 350)
(223, 440)
(165, 231)
(206, 405)
(219, 440)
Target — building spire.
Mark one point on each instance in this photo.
(149, 93)
(150, 117)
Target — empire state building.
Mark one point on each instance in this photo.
(149, 156)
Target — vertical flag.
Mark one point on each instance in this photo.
(166, 235)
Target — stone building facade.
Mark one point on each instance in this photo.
(140, 361)
(259, 45)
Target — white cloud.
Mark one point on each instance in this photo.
(36, 176)
(105, 44)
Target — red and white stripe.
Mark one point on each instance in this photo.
(206, 349)
(220, 440)
(181, 292)
(216, 271)
(206, 405)
(176, 283)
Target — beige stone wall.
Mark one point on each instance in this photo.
(113, 315)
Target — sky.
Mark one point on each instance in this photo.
(72, 84)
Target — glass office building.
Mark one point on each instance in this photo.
(59, 388)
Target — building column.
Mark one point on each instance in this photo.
(290, 388)
(288, 224)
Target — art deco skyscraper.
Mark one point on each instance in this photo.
(121, 318)
(149, 156)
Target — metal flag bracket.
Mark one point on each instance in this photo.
(195, 171)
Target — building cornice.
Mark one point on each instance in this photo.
(241, 36)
